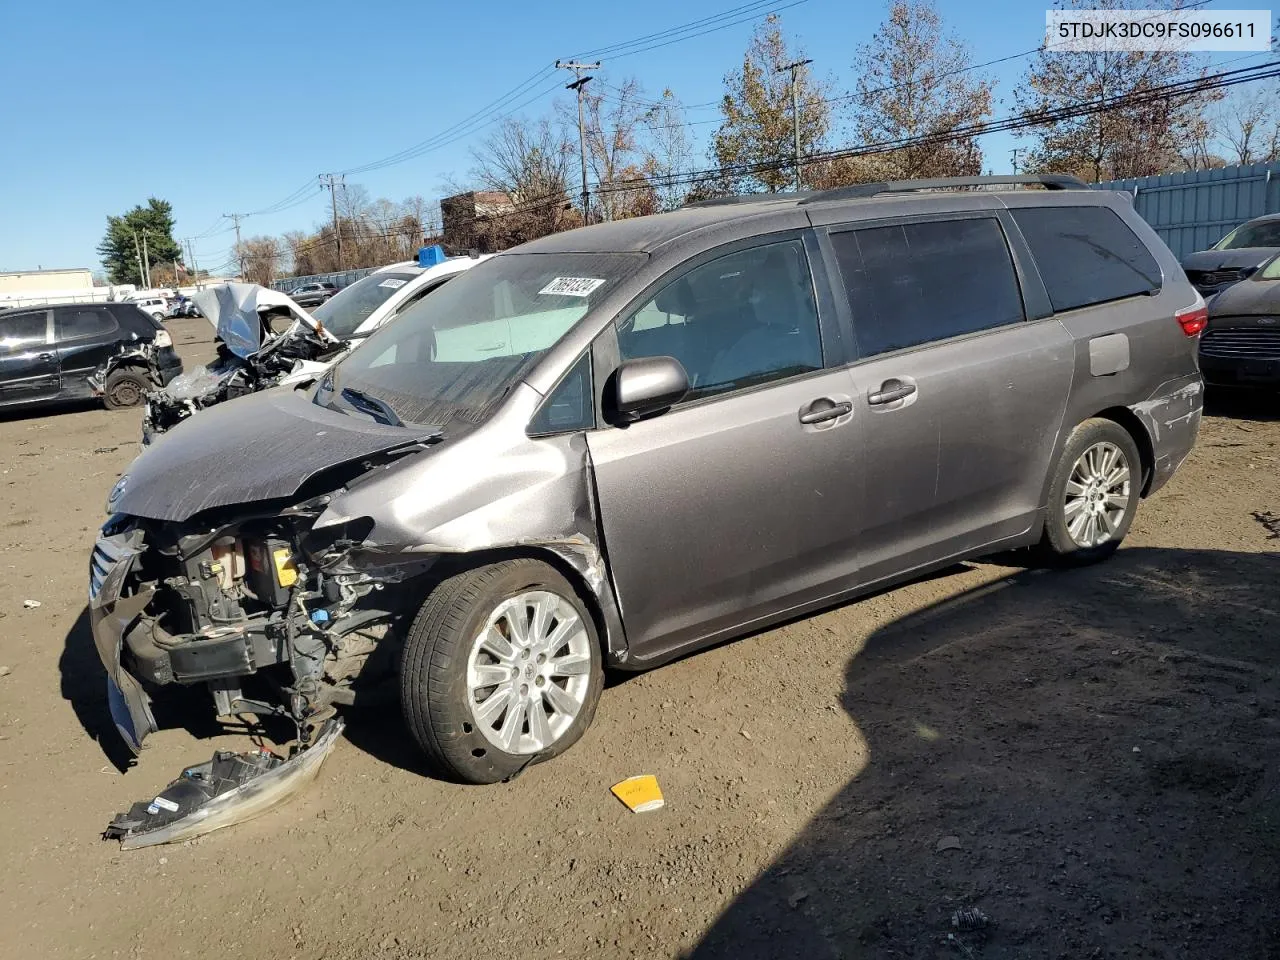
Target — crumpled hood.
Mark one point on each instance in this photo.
(1217, 259)
(233, 308)
(260, 447)
(1247, 297)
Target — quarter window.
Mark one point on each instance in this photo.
(914, 283)
(1087, 255)
(737, 321)
(76, 324)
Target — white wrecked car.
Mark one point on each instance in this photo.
(253, 356)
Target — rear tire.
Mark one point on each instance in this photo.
(502, 668)
(1094, 494)
(124, 388)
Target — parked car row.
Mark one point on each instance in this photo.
(762, 407)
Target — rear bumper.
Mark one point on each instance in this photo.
(1171, 416)
(1241, 372)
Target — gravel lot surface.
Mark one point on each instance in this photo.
(1090, 760)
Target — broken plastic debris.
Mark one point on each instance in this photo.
(969, 918)
(640, 794)
(30, 604)
(1137, 749)
(229, 789)
(947, 843)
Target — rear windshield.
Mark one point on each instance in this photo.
(451, 357)
(1263, 234)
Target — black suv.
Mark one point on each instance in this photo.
(78, 350)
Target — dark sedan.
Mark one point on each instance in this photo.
(1235, 257)
(1241, 346)
(313, 294)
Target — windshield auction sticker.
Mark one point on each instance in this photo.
(571, 287)
(393, 283)
(1078, 31)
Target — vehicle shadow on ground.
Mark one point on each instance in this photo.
(84, 685)
(38, 411)
(1240, 404)
(1088, 758)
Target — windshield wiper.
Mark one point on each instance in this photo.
(367, 403)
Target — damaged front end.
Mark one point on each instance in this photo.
(266, 614)
(251, 355)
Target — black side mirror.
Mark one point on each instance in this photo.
(647, 386)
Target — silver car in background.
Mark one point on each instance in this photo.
(612, 446)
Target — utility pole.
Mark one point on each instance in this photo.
(236, 218)
(146, 260)
(580, 85)
(795, 114)
(1015, 152)
(332, 180)
(137, 252)
(191, 255)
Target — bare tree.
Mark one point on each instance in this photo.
(667, 150)
(262, 257)
(915, 81)
(1250, 125)
(527, 162)
(612, 120)
(1133, 138)
(757, 130)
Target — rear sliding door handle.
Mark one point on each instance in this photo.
(890, 391)
(823, 410)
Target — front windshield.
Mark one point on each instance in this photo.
(455, 354)
(1264, 234)
(343, 313)
(1270, 272)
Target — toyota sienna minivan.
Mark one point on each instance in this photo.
(612, 446)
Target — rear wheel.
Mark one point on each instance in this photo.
(158, 317)
(1094, 494)
(124, 388)
(501, 669)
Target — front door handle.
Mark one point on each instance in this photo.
(45, 356)
(823, 410)
(890, 391)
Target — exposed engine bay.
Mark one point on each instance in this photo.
(275, 622)
(252, 355)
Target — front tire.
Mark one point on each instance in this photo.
(1094, 495)
(502, 668)
(124, 388)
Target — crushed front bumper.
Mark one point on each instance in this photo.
(110, 615)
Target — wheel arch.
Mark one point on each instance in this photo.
(1134, 426)
(600, 604)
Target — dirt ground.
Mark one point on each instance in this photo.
(1101, 748)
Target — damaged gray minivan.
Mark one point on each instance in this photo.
(612, 446)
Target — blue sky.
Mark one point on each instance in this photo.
(235, 106)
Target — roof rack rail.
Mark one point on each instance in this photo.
(1050, 181)
(747, 198)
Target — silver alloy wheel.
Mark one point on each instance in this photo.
(1097, 494)
(528, 672)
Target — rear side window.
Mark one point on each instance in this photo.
(914, 283)
(80, 322)
(1087, 255)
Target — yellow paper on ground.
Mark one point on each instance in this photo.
(640, 794)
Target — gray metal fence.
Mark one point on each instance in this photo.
(1193, 211)
(339, 280)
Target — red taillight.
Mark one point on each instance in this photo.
(1193, 319)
